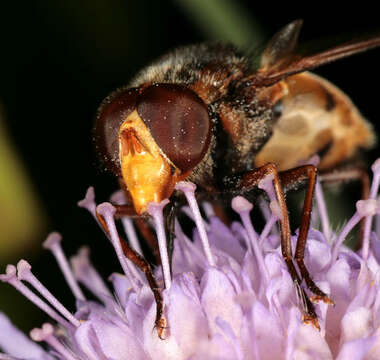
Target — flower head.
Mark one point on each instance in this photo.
(229, 294)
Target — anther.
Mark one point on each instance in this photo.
(46, 333)
(24, 273)
(266, 184)
(88, 202)
(11, 278)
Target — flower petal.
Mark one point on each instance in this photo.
(218, 300)
(118, 343)
(356, 349)
(221, 237)
(310, 344)
(15, 343)
(267, 332)
(356, 324)
(188, 327)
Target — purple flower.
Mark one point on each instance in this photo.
(230, 295)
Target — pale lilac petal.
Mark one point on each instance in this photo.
(221, 237)
(230, 335)
(216, 348)
(309, 341)
(339, 279)
(356, 349)
(373, 264)
(356, 324)
(16, 344)
(318, 255)
(85, 337)
(218, 300)
(292, 330)
(374, 352)
(267, 329)
(117, 343)
(155, 347)
(249, 271)
(188, 327)
(135, 315)
(7, 357)
(190, 287)
(274, 263)
(122, 287)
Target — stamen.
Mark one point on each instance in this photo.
(156, 211)
(207, 207)
(266, 184)
(88, 202)
(368, 221)
(46, 333)
(11, 278)
(189, 190)
(243, 207)
(322, 211)
(108, 211)
(119, 199)
(87, 275)
(363, 208)
(24, 273)
(53, 243)
(189, 213)
(131, 234)
(267, 229)
(263, 204)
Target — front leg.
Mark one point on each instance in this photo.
(143, 265)
(247, 182)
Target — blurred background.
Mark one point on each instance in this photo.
(59, 59)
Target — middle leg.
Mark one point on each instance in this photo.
(289, 178)
(247, 182)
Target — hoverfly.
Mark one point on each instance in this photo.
(204, 114)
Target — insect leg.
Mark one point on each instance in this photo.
(293, 176)
(247, 182)
(169, 216)
(141, 223)
(144, 266)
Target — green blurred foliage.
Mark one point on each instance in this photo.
(22, 218)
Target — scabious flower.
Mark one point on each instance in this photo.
(229, 295)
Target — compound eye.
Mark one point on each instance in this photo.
(178, 121)
(111, 114)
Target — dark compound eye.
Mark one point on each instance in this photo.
(111, 115)
(178, 121)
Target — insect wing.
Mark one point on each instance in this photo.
(280, 59)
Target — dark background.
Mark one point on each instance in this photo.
(59, 59)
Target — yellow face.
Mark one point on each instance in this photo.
(147, 173)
